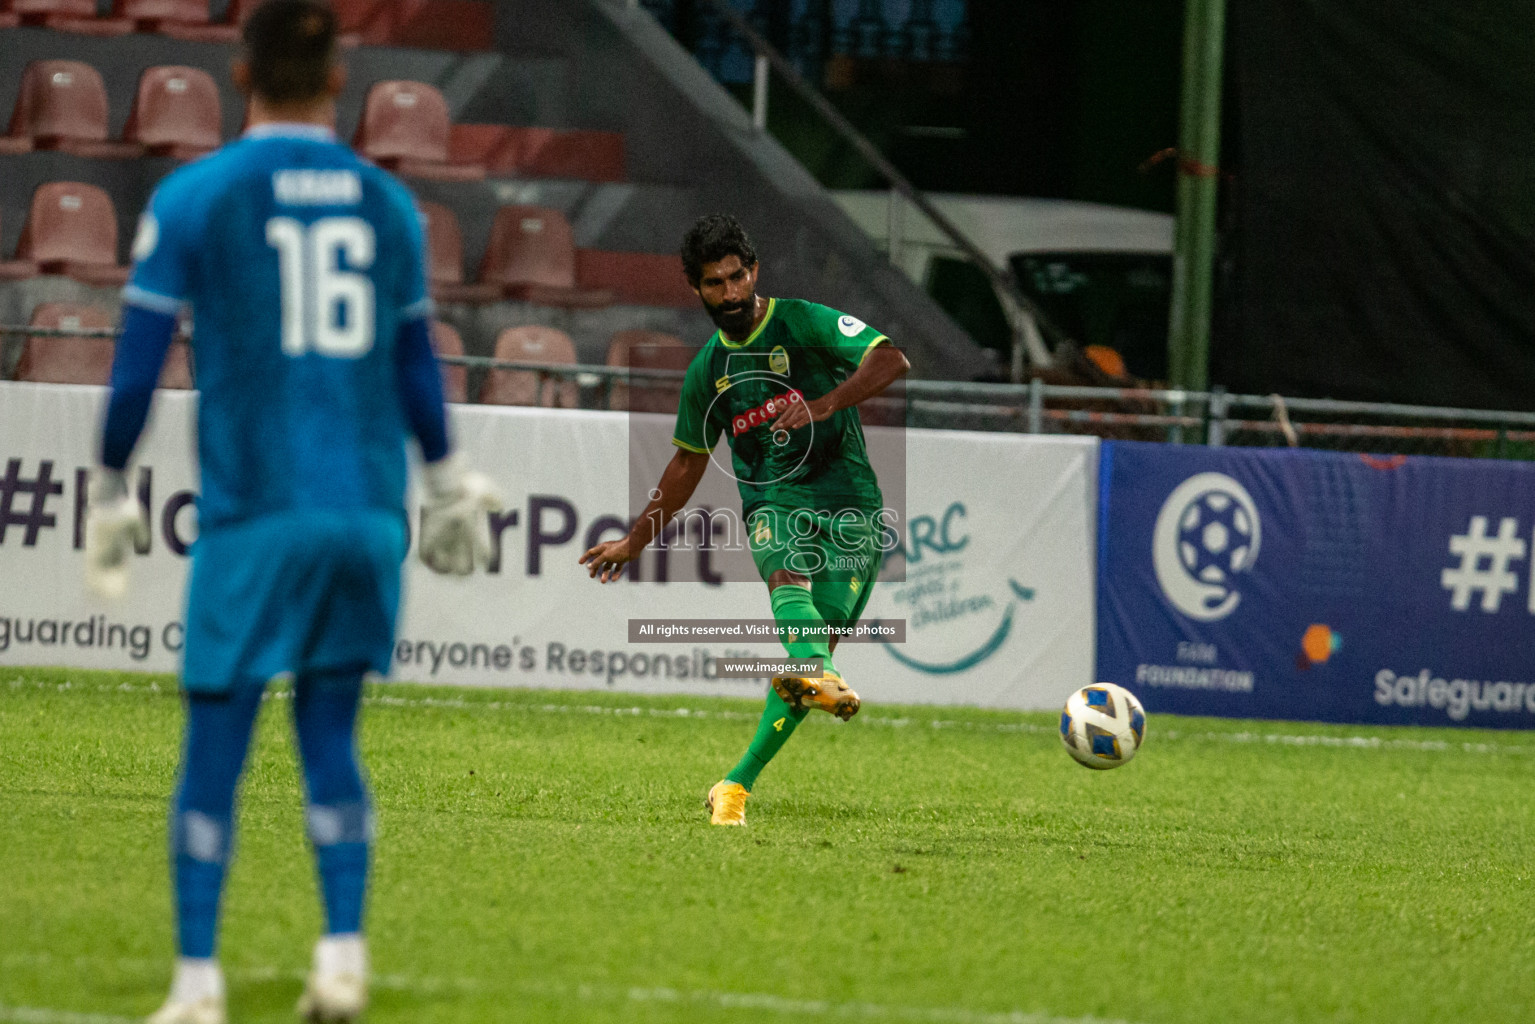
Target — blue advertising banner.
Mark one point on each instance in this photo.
(1312, 585)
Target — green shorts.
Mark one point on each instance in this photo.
(839, 552)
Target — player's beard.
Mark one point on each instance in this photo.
(734, 318)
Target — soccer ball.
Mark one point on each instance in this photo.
(1103, 725)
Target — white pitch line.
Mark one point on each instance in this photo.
(1026, 728)
(762, 1001)
(867, 1011)
(400, 982)
(42, 1015)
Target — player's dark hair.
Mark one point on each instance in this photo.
(290, 46)
(712, 239)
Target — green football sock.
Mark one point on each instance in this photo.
(796, 605)
(790, 604)
(773, 731)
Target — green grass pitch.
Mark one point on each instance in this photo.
(543, 857)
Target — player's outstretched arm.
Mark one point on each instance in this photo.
(457, 502)
(606, 562)
(883, 366)
(114, 524)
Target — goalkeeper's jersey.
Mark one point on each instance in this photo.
(300, 261)
(799, 352)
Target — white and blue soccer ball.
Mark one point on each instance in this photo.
(1103, 725)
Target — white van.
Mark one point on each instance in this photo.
(1101, 273)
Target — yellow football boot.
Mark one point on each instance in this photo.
(830, 693)
(726, 803)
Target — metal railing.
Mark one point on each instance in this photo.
(1212, 418)
(1031, 325)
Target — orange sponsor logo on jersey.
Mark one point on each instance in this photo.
(767, 412)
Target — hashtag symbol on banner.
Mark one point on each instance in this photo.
(1474, 547)
(41, 489)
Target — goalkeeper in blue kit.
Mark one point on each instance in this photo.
(304, 268)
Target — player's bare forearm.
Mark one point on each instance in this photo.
(678, 482)
(884, 365)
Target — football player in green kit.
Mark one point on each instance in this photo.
(780, 380)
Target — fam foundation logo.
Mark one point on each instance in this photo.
(1207, 534)
(957, 614)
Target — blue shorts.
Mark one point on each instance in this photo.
(298, 592)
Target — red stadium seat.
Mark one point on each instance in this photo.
(886, 410)
(176, 112)
(69, 16)
(16, 270)
(647, 350)
(552, 153)
(539, 152)
(641, 278)
(532, 344)
(65, 360)
(63, 105)
(445, 245)
(532, 256)
(153, 15)
(455, 377)
(176, 373)
(404, 127)
(72, 229)
(479, 144)
(226, 31)
(422, 24)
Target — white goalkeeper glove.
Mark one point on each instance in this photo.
(455, 528)
(114, 527)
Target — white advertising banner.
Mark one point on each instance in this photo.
(993, 577)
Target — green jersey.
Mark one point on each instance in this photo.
(799, 352)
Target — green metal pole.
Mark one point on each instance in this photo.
(1199, 148)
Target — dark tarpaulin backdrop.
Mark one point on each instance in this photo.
(1382, 213)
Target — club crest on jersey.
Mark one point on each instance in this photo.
(778, 361)
(850, 326)
(765, 413)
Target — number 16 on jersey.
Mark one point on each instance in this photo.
(325, 309)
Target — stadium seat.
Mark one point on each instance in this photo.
(445, 245)
(16, 270)
(154, 15)
(640, 278)
(455, 377)
(552, 153)
(647, 350)
(886, 410)
(63, 105)
(176, 373)
(532, 257)
(176, 112)
(72, 229)
(226, 31)
(404, 127)
(69, 16)
(532, 344)
(64, 360)
(539, 152)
